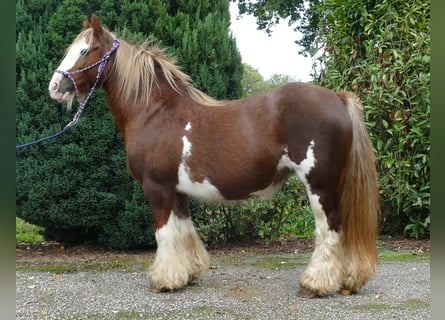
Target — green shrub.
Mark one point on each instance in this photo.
(381, 51)
(418, 227)
(79, 189)
(77, 186)
(133, 226)
(286, 214)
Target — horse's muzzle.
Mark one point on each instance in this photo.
(60, 88)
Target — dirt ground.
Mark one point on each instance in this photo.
(50, 251)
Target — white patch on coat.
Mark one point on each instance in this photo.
(304, 167)
(186, 148)
(204, 189)
(188, 126)
(302, 170)
(181, 256)
(324, 273)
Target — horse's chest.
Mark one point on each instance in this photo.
(156, 159)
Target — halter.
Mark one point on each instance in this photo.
(102, 63)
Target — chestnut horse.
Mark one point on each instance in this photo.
(180, 142)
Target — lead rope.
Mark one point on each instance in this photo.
(102, 63)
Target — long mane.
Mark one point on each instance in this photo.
(135, 67)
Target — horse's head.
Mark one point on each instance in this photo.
(79, 67)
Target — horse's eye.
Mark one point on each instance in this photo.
(83, 52)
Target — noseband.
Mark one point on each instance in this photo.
(102, 63)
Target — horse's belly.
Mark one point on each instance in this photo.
(267, 192)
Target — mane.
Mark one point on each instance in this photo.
(135, 67)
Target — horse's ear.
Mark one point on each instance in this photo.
(95, 24)
(86, 23)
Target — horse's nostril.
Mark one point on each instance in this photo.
(54, 86)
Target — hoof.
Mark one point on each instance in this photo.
(159, 290)
(346, 292)
(306, 293)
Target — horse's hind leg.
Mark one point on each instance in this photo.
(324, 273)
(181, 256)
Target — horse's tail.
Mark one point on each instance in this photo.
(359, 202)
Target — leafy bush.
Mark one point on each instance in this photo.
(381, 51)
(133, 226)
(418, 227)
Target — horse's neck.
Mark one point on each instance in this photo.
(127, 113)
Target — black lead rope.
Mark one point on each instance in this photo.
(24, 146)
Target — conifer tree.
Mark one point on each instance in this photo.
(77, 186)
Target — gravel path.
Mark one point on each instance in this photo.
(253, 289)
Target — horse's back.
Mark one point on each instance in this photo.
(312, 113)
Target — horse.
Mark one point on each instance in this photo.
(182, 143)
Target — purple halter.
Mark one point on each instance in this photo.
(102, 62)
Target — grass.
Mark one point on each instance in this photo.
(406, 305)
(27, 232)
(202, 312)
(387, 255)
(282, 261)
(267, 261)
(129, 264)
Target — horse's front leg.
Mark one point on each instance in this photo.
(181, 256)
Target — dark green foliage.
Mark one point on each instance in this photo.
(382, 52)
(418, 227)
(132, 226)
(203, 36)
(77, 186)
(287, 214)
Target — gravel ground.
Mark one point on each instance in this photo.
(259, 287)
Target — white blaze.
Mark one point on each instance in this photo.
(72, 56)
